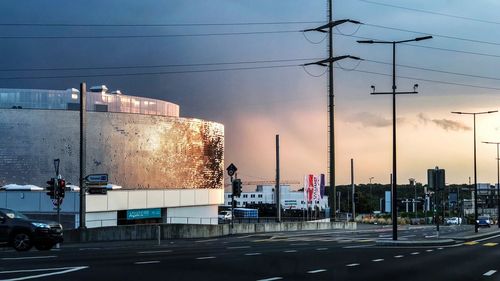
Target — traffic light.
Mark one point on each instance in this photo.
(356, 197)
(61, 186)
(237, 187)
(51, 187)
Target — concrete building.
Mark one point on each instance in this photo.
(264, 194)
(171, 168)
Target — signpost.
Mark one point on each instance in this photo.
(96, 183)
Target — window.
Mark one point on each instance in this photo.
(252, 196)
(229, 203)
(260, 202)
(245, 195)
(238, 203)
(260, 196)
(302, 202)
(229, 196)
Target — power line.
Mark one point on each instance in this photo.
(431, 12)
(145, 73)
(436, 70)
(149, 36)
(434, 34)
(157, 24)
(155, 66)
(429, 47)
(429, 80)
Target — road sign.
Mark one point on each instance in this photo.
(231, 170)
(97, 179)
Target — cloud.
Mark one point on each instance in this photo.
(444, 124)
(367, 119)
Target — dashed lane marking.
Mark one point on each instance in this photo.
(440, 248)
(271, 279)
(470, 243)
(146, 262)
(155, 252)
(490, 244)
(415, 253)
(489, 273)
(205, 258)
(299, 244)
(316, 271)
(252, 254)
(290, 251)
(429, 250)
(377, 260)
(352, 264)
(321, 249)
(365, 240)
(399, 256)
(29, 258)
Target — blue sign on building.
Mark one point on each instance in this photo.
(143, 214)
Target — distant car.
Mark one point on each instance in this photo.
(484, 221)
(22, 233)
(454, 220)
(225, 215)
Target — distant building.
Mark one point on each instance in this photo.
(264, 194)
(171, 168)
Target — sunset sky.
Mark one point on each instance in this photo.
(255, 104)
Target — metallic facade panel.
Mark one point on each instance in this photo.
(137, 151)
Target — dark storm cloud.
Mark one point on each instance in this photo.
(444, 124)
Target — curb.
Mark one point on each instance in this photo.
(475, 236)
(440, 242)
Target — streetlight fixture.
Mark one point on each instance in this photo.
(475, 165)
(498, 180)
(394, 93)
(331, 129)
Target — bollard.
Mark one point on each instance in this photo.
(159, 235)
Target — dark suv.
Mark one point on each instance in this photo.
(22, 233)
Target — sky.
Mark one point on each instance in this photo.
(173, 50)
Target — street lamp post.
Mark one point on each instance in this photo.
(394, 93)
(475, 165)
(498, 180)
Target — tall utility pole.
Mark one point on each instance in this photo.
(353, 191)
(332, 191)
(83, 143)
(476, 226)
(394, 93)
(498, 180)
(277, 188)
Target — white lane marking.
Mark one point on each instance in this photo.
(29, 258)
(439, 248)
(316, 271)
(155, 252)
(64, 270)
(415, 253)
(290, 251)
(399, 256)
(271, 279)
(489, 273)
(429, 250)
(202, 241)
(252, 254)
(352, 264)
(205, 258)
(238, 247)
(146, 262)
(321, 249)
(377, 260)
(358, 246)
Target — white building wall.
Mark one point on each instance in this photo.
(191, 215)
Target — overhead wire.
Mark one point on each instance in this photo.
(157, 24)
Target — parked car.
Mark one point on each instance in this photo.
(224, 215)
(454, 220)
(484, 220)
(22, 233)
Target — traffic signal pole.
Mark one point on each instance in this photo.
(83, 125)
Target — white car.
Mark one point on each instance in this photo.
(224, 215)
(454, 220)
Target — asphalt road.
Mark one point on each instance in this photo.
(321, 255)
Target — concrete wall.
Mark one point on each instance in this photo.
(192, 215)
(171, 231)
